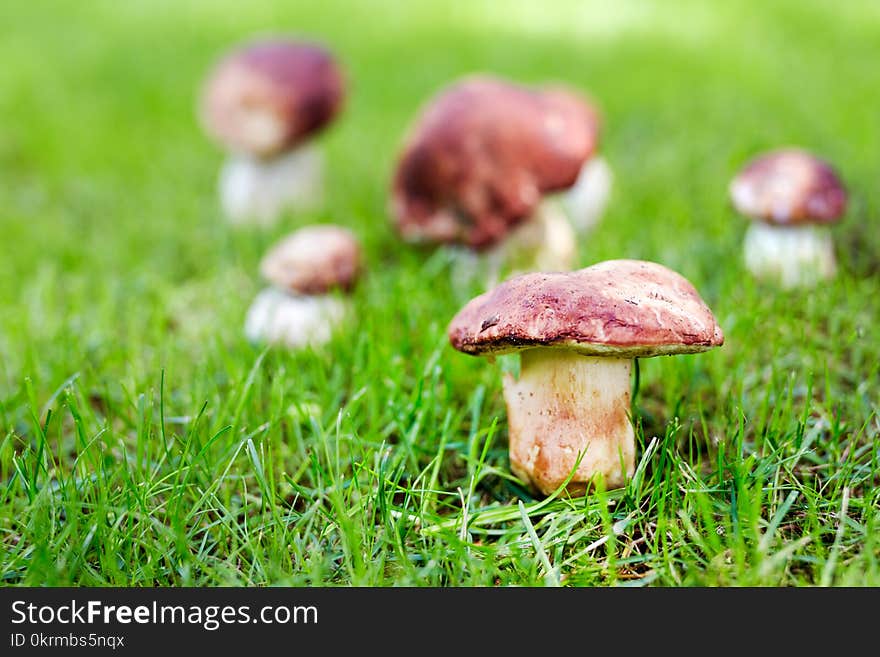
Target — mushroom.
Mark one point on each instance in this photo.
(482, 165)
(793, 197)
(577, 334)
(265, 102)
(586, 199)
(308, 272)
(585, 202)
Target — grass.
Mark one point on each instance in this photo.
(144, 442)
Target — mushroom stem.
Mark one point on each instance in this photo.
(585, 201)
(791, 255)
(543, 242)
(255, 190)
(277, 317)
(562, 405)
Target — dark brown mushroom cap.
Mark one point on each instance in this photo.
(314, 260)
(269, 96)
(788, 187)
(622, 308)
(482, 155)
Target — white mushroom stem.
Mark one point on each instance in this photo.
(790, 255)
(544, 242)
(565, 404)
(279, 318)
(585, 201)
(254, 190)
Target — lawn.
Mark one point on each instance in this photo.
(144, 441)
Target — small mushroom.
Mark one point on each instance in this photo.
(484, 162)
(265, 102)
(309, 273)
(793, 197)
(577, 334)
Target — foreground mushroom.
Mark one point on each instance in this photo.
(793, 197)
(265, 103)
(309, 273)
(578, 334)
(482, 167)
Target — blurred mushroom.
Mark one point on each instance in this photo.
(481, 167)
(578, 333)
(586, 199)
(792, 196)
(309, 271)
(585, 202)
(265, 102)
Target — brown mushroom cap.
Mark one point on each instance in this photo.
(481, 156)
(789, 187)
(269, 96)
(314, 260)
(622, 308)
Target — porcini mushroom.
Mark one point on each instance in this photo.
(577, 334)
(585, 201)
(265, 102)
(309, 273)
(792, 197)
(481, 166)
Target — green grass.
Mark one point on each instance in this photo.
(143, 441)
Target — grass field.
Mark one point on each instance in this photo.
(144, 441)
